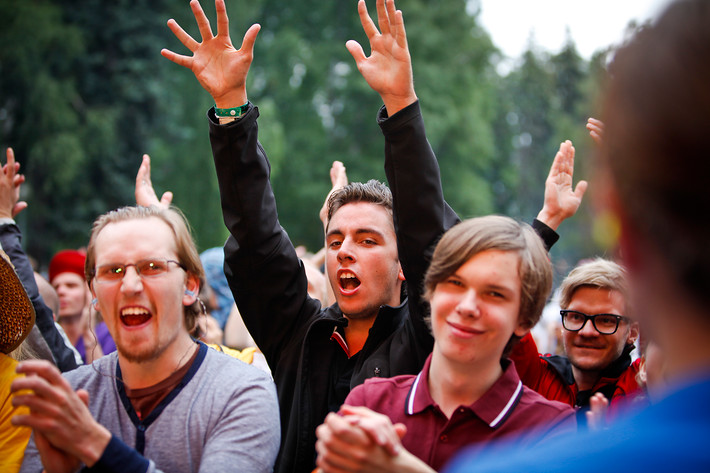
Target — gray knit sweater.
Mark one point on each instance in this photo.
(222, 417)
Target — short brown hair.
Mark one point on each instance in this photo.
(372, 191)
(187, 253)
(599, 273)
(470, 237)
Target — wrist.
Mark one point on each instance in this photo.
(550, 219)
(95, 446)
(231, 99)
(395, 103)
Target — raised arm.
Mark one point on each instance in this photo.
(264, 273)
(421, 215)
(11, 241)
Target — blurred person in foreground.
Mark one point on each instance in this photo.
(654, 167)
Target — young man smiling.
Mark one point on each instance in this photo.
(162, 402)
(598, 339)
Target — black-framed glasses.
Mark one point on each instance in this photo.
(606, 324)
(147, 268)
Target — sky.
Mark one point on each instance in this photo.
(593, 24)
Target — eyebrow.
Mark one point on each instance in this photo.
(359, 231)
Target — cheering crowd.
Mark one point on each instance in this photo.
(405, 344)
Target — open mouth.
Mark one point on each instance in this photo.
(348, 281)
(133, 316)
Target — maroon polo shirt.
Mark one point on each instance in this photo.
(507, 410)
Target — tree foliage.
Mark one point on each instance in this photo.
(84, 93)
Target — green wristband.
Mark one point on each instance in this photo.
(231, 112)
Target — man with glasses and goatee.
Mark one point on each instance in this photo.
(598, 338)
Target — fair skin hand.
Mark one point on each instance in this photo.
(596, 415)
(596, 130)
(220, 68)
(561, 199)
(65, 431)
(338, 180)
(361, 440)
(10, 182)
(145, 193)
(388, 69)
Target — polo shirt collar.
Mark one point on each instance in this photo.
(494, 407)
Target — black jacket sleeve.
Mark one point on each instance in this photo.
(10, 239)
(265, 274)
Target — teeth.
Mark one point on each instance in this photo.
(347, 276)
(133, 311)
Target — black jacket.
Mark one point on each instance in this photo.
(10, 239)
(270, 288)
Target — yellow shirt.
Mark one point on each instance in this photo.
(13, 440)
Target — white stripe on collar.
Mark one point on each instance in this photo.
(507, 407)
(410, 403)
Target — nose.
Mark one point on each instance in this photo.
(131, 281)
(588, 329)
(468, 304)
(346, 250)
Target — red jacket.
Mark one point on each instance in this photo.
(551, 376)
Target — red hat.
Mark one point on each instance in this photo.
(67, 261)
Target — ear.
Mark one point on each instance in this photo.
(522, 329)
(633, 333)
(192, 288)
(400, 274)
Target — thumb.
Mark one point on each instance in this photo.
(581, 189)
(356, 51)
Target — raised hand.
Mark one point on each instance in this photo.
(596, 130)
(561, 199)
(388, 69)
(220, 68)
(10, 182)
(145, 193)
(338, 179)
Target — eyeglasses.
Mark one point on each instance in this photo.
(147, 268)
(606, 324)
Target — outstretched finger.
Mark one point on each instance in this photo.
(400, 32)
(250, 38)
(383, 19)
(10, 167)
(179, 59)
(203, 24)
(183, 36)
(222, 18)
(367, 24)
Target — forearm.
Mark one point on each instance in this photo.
(261, 264)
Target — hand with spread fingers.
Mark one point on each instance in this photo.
(65, 431)
(145, 193)
(561, 199)
(596, 130)
(220, 68)
(388, 69)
